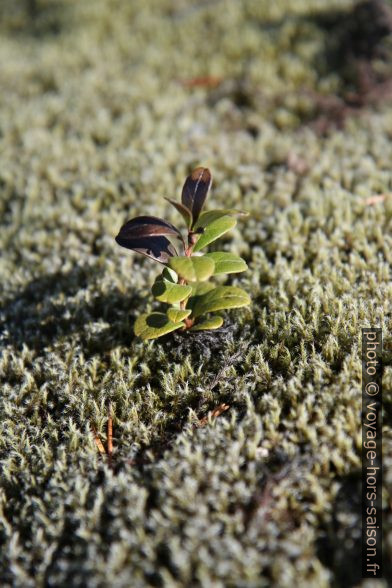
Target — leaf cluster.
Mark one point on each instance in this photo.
(183, 283)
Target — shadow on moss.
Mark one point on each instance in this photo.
(43, 313)
(35, 18)
(355, 52)
(339, 546)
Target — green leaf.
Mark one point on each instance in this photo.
(211, 323)
(156, 324)
(215, 230)
(211, 215)
(227, 263)
(193, 269)
(175, 315)
(166, 291)
(220, 298)
(169, 275)
(200, 288)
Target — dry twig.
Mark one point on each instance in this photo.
(213, 414)
(98, 442)
(110, 435)
(109, 438)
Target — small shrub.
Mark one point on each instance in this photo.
(183, 284)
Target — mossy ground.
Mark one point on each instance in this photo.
(103, 111)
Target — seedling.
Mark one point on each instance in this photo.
(183, 284)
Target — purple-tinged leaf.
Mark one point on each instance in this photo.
(147, 226)
(158, 248)
(183, 210)
(195, 190)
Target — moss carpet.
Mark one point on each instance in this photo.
(105, 106)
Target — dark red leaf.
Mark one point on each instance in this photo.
(147, 226)
(183, 210)
(195, 190)
(158, 248)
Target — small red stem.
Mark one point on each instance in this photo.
(188, 253)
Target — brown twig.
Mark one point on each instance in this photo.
(98, 442)
(109, 440)
(110, 435)
(213, 414)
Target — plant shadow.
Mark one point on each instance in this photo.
(47, 310)
(36, 19)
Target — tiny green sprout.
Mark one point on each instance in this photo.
(183, 284)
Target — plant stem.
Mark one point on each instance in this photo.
(183, 282)
(188, 252)
(189, 323)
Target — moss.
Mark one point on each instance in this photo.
(98, 120)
